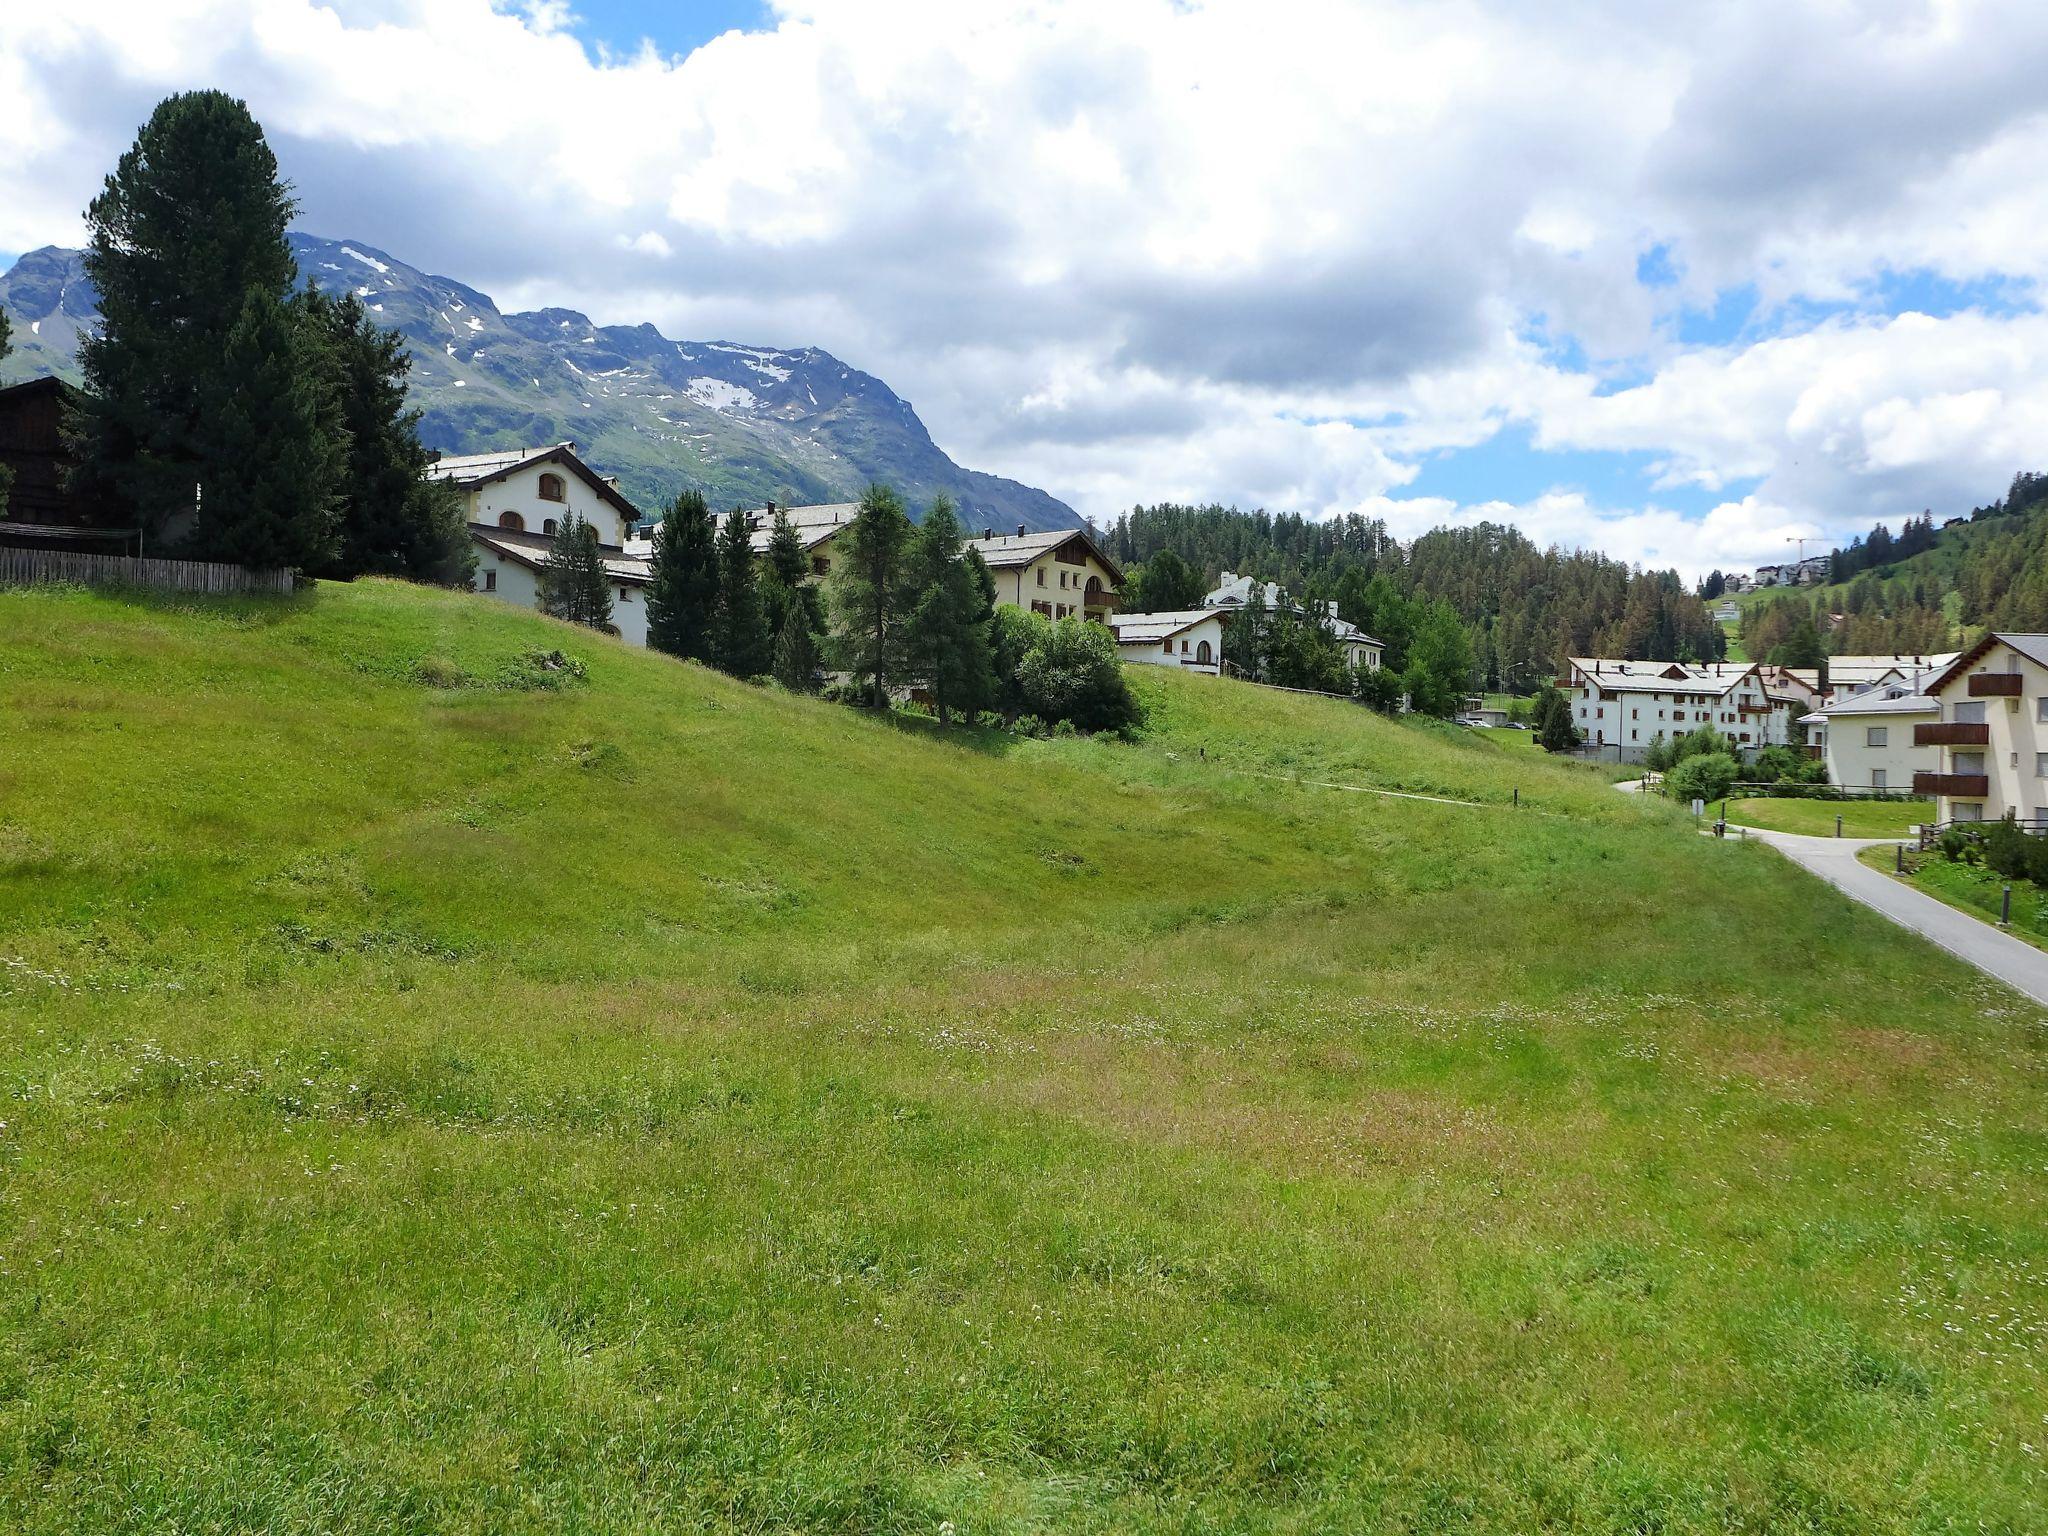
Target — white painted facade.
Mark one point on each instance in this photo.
(1623, 707)
(1191, 639)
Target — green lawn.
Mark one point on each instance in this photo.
(655, 1104)
(1816, 818)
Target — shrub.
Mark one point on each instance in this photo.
(1958, 846)
(1070, 672)
(1775, 763)
(2005, 850)
(1705, 777)
(1379, 688)
(1657, 756)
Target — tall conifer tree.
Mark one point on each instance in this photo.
(189, 225)
(394, 521)
(796, 651)
(740, 641)
(945, 630)
(275, 459)
(867, 593)
(574, 584)
(6, 474)
(784, 580)
(684, 589)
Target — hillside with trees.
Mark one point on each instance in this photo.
(1923, 589)
(1523, 608)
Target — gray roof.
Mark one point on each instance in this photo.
(1004, 551)
(1660, 676)
(1139, 628)
(531, 549)
(464, 467)
(813, 525)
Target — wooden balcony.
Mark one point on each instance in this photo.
(1951, 733)
(1961, 786)
(1994, 685)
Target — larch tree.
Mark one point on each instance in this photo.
(867, 594)
(684, 588)
(740, 640)
(945, 626)
(189, 226)
(574, 584)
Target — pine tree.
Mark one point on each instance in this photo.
(740, 641)
(574, 584)
(796, 653)
(273, 462)
(191, 223)
(394, 521)
(945, 631)
(867, 594)
(684, 589)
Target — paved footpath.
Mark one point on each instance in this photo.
(2012, 961)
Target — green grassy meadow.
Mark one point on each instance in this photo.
(441, 1094)
(1816, 818)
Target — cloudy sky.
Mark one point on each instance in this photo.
(1676, 281)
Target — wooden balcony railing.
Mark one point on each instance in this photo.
(1994, 685)
(1964, 786)
(1951, 733)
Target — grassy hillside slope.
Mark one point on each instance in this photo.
(435, 1100)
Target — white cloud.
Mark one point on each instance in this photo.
(1269, 251)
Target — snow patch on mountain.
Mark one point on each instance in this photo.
(721, 396)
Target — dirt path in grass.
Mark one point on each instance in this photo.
(2019, 965)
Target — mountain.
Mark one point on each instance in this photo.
(741, 423)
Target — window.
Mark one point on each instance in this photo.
(551, 488)
(1877, 736)
(1969, 712)
(1183, 647)
(1202, 655)
(1966, 762)
(513, 521)
(548, 526)
(490, 581)
(1041, 575)
(2041, 765)
(1166, 646)
(2041, 708)
(625, 594)
(820, 565)
(1877, 778)
(1635, 714)
(1966, 810)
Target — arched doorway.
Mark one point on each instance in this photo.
(1202, 656)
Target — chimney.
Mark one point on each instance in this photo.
(770, 512)
(1020, 530)
(988, 533)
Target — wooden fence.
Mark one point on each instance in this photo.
(34, 567)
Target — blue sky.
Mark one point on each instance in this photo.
(673, 28)
(1676, 282)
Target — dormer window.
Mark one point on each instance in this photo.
(551, 488)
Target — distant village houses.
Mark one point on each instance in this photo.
(1234, 592)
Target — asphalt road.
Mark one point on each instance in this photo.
(2018, 964)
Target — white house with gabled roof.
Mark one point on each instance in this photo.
(1191, 639)
(1623, 707)
(515, 499)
